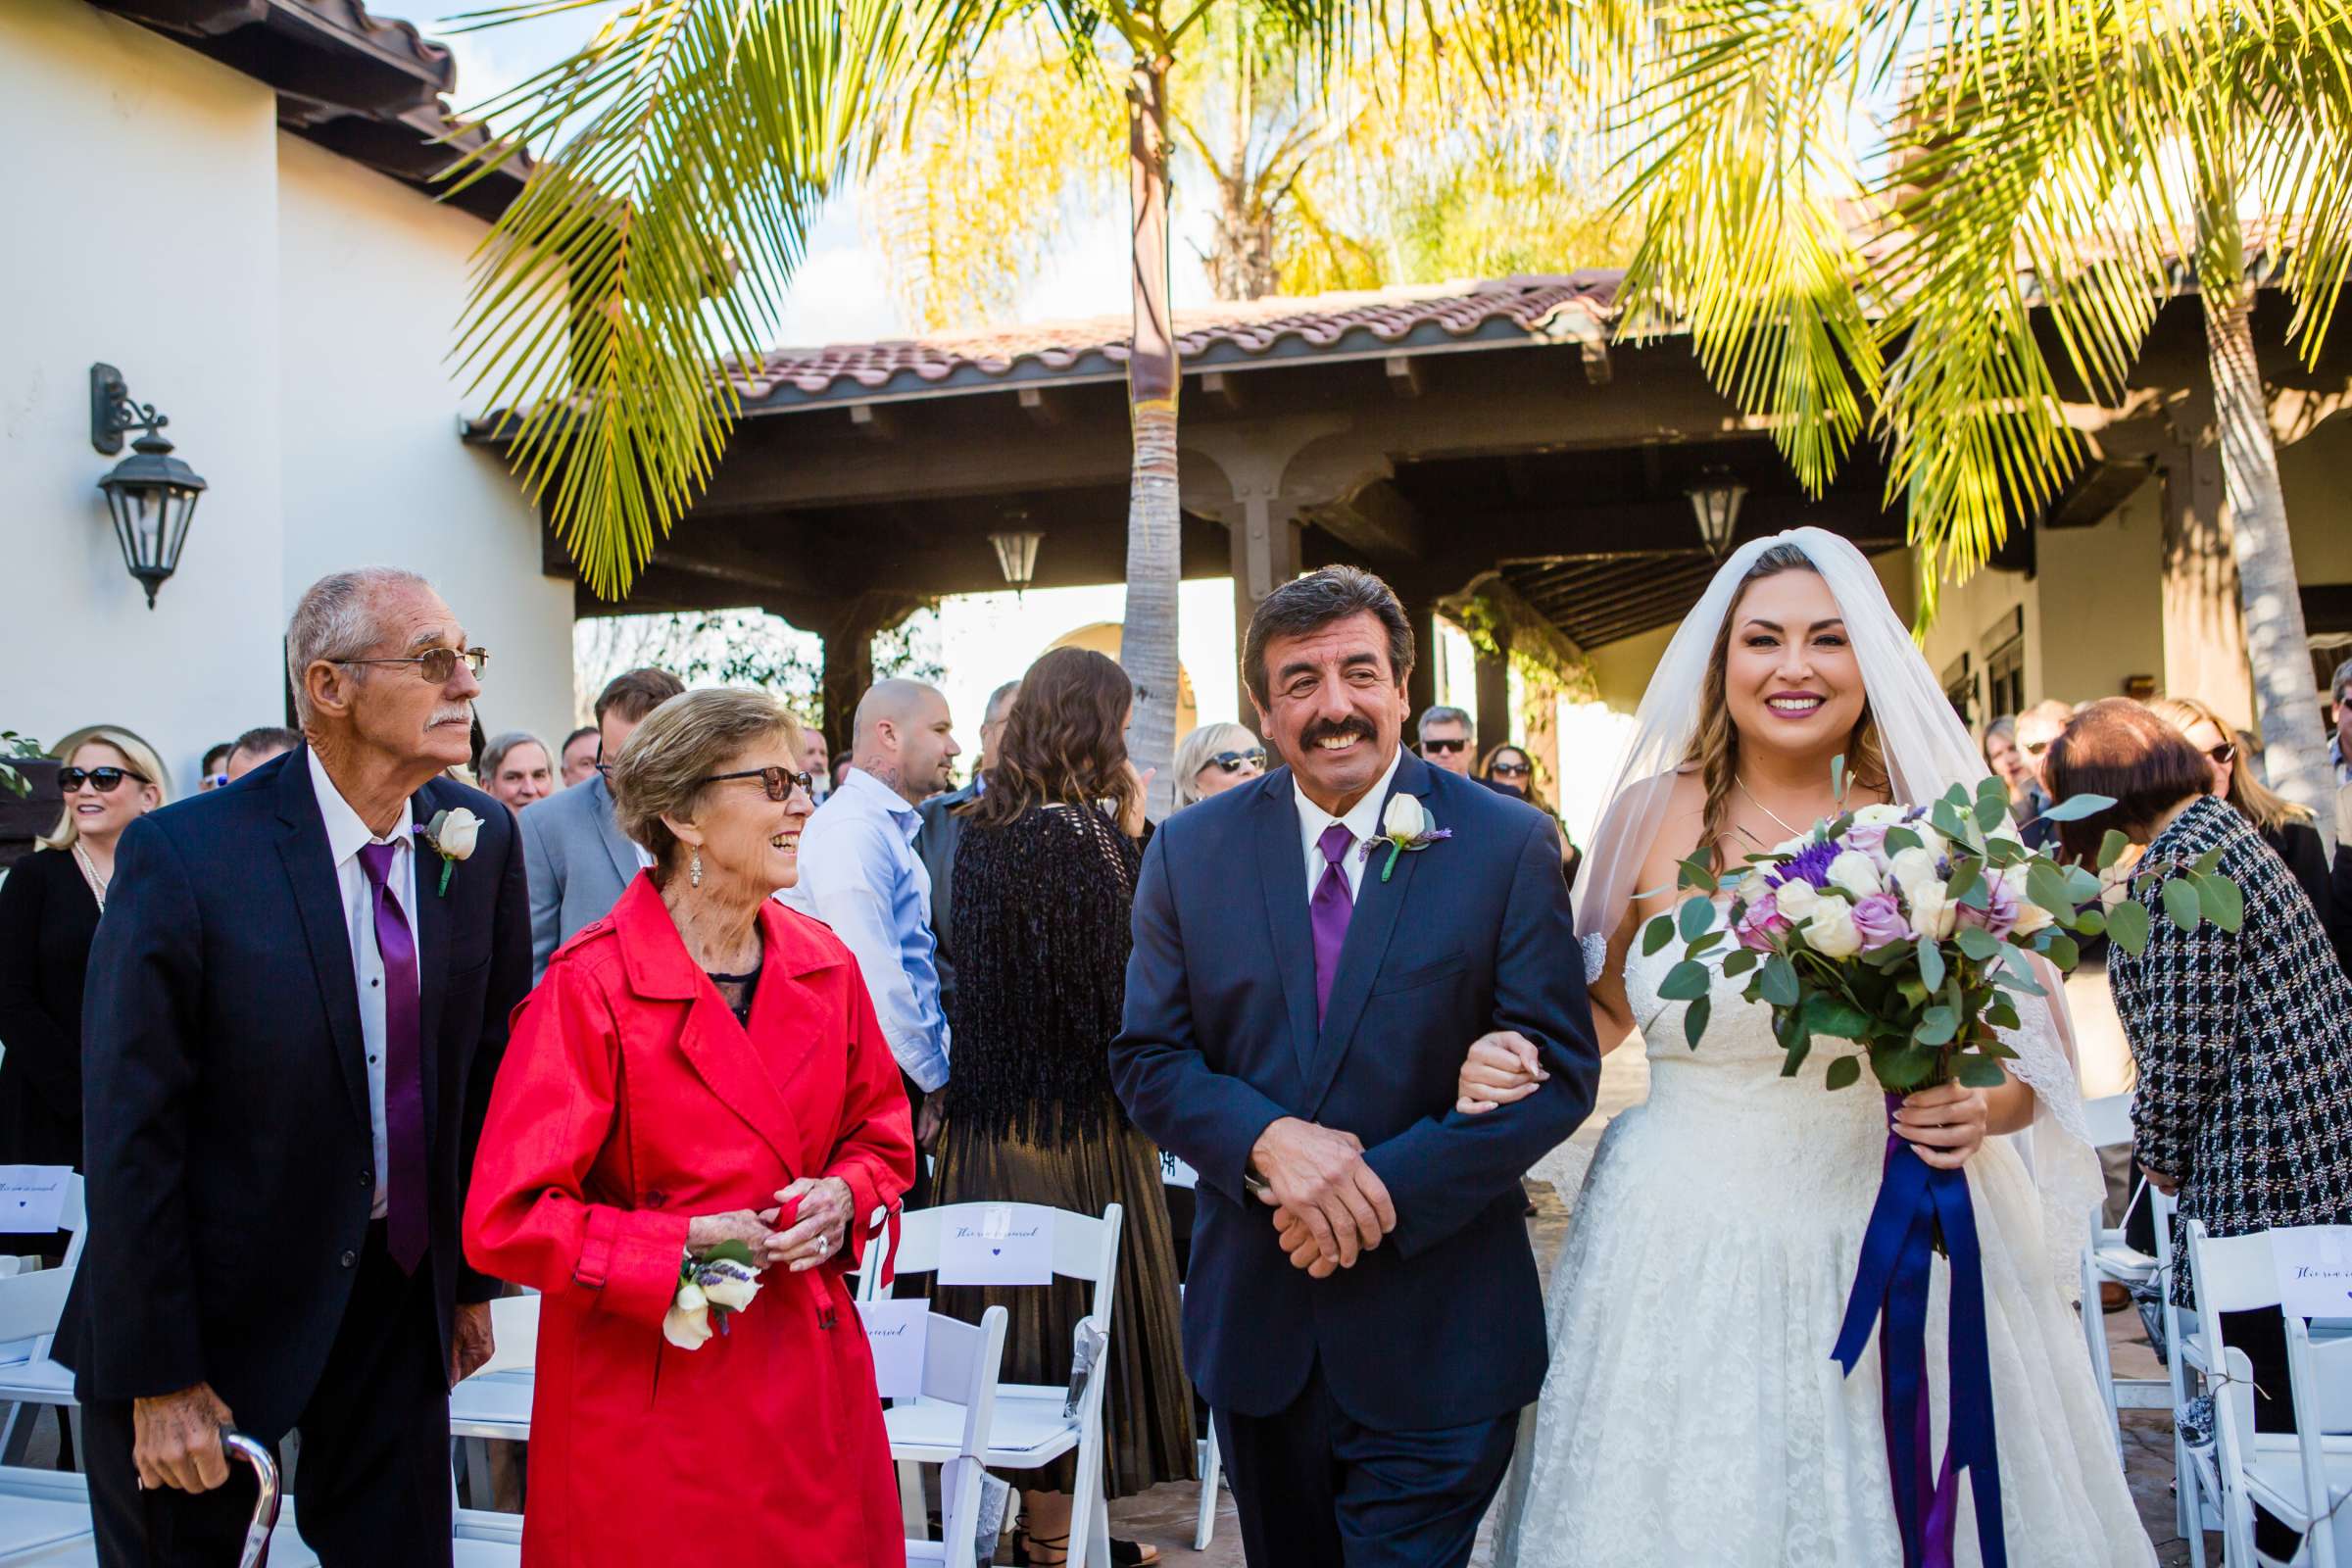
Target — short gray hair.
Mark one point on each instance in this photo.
(335, 618)
(1439, 714)
(662, 768)
(495, 750)
(1198, 748)
(1003, 695)
(2342, 679)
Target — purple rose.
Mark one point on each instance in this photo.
(1760, 924)
(1879, 920)
(2000, 915)
(1870, 839)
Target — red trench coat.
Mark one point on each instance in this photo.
(629, 1101)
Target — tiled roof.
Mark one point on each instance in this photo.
(1574, 307)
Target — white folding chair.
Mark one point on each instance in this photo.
(2107, 1256)
(2300, 1477)
(1029, 1428)
(961, 1363)
(494, 1405)
(2197, 1504)
(31, 1305)
(482, 1540)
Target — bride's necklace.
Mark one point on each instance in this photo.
(90, 874)
(1786, 825)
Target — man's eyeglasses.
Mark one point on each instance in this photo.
(1446, 745)
(779, 782)
(1234, 761)
(105, 780)
(435, 665)
(1511, 770)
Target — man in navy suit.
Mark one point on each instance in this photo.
(1362, 1311)
(304, 981)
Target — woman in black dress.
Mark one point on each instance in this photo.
(1044, 883)
(49, 908)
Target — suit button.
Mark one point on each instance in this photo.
(350, 1258)
(366, 1178)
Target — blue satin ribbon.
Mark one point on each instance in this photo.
(1890, 1283)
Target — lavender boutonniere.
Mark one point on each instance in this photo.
(1403, 826)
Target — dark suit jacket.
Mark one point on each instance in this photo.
(936, 842)
(230, 1165)
(1442, 1324)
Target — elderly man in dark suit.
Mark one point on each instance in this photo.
(308, 976)
(1314, 951)
(943, 830)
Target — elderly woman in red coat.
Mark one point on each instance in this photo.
(702, 1067)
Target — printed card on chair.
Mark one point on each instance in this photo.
(32, 1198)
(898, 1331)
(997, 1247)
(2315, 1269)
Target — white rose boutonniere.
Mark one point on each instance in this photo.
(1403, 826)
(711, 1289)
(451, 835)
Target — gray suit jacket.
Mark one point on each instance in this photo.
(942, 831)
(578, 862)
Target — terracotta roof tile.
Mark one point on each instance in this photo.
(1542, 308)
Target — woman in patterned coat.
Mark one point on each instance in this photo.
(2244, 1040)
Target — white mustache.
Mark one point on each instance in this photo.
(458, 715)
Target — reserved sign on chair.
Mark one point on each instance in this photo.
(1004, 1247)
(899, 1331)
(2314, 1270)
(32, 1198)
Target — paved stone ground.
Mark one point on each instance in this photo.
(1165, 1516)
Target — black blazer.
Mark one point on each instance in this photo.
(47, 921)
(230, 1163)
(1443, 1325)
(937, 841)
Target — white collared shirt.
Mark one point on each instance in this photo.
(1362, 821)
(345, 835)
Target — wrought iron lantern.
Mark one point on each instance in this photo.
(1715, 500)
(151, 494)
(1017, 554)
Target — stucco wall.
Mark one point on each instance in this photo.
(2315, 472)
(106, 121)
(373, 277)
(2102, 600)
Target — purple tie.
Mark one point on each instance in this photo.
(1328, 911)
(404, 1084)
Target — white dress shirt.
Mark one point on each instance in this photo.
(345, 835)
(1362, 821)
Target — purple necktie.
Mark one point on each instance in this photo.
(404, 1084)
(1328, 911)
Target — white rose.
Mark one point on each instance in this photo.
(1912, 867)
(1932, 914)
(1856, 874)
(1878, 817)
(452, 833)
(1403, 818)
(1797, 899)
(687, 1323)
(729, 1284)
(1832, 932)
(2031, 917)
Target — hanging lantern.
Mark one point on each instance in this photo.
(151, 494)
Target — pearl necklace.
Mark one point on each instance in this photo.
(90, 874)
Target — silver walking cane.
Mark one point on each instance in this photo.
(265, 1508)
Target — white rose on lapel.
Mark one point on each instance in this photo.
(451, 835)
(1403, 826)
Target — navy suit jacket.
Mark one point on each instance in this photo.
(1442, 1324)
(230, 1163)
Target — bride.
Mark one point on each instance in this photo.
(1692, 1413)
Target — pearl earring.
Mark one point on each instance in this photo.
(693, 869)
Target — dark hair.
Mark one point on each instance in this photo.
(1314, 601)
(2117, 748)
(217, 757)
(1066, 739)
(270, 738)
(635, 693)
(588, 730)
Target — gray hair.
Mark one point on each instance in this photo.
(495, 750)
(1198, 748)
(335, 618)
(1003, 695)
(1440, 713)
(2341, 679)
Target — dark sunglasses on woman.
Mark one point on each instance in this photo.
(778, 782)
(1234, 761)
(1510, 769)
(105, 780)
(2224, 755)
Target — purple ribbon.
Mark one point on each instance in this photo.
(1890, 1285)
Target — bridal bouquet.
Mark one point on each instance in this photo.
(1907, 930)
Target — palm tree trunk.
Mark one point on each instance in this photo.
(2286, 704)
(1154, 558)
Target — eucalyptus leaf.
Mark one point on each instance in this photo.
(2127, 927)
(1903, 838)
(2045, 884)
(1978, 942)
(1780, 982)
(1842, 1072)
(1903, 1068)
(2092, 922)
(2210, 861)
(2222, 902)
(1696, 872)
(2075, 807)
(1694, 918)
(2061, 950)
(1967, 884)
(1687, 981)
(1826, 1015)
(1739, 963)
(1980, 1072)
(1702, 941)
(1656, 934)
(2082, 887)
(1931, 965)
(1694, 1021)
(2112, 848)
(1795, 1058)
(1936, 1026)
(2181, 904)
(729, 1252)
(1991, 809)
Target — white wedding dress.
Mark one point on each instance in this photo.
(1693, 1414)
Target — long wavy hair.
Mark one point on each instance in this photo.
(2255, 800)
(1065, 742)
(1715, 749)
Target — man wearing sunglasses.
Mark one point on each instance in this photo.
(308, 983)
(860, 874)
(1443, 734)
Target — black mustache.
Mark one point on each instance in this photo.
(1317, 733)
